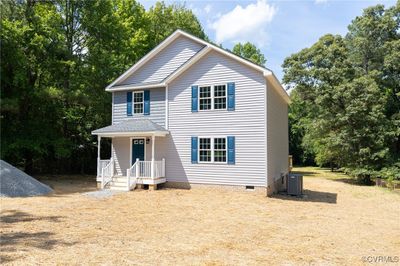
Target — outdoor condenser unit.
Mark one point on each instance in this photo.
(295, 185)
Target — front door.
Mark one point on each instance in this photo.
(137, 149)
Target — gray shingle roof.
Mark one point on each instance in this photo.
(131, 125)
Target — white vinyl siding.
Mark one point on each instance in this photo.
(157, 107)
(165, 62)
(121, 154)
(278, 135)
(246, 123)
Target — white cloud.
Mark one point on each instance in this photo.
(207, 8)
(320, 1)
(245, 23)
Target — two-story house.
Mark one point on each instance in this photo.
(190, 112)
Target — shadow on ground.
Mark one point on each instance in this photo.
(9, 240)
(63, 185)
(14, 216)
(311, 196)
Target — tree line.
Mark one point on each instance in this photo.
(57, 57)
(345, 110)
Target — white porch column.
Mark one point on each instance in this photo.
(98, 155)
(153, 140)
(166, 107)
(98, 147)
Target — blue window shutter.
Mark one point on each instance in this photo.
(231, 96)
(129, 103)
(146, 102)
(194, 149)
(231, 150)
(195, 98)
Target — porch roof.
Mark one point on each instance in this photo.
(132, 127)
(131, 86)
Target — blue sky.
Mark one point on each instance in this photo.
(278, 28)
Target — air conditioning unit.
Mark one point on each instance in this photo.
(295, 184)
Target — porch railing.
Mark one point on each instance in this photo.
(145, 169)
(100, 165)
(159, 168)
(107, 173)
(131, 176)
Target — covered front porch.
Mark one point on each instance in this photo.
(137, 155)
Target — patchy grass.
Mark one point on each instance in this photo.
(338, 176)
(336, 223)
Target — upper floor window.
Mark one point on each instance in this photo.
(215, 97)
(138, 102)
(212, 97)
(205, 98)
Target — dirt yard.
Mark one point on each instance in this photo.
(336, 223)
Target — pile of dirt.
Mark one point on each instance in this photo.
(15, 183)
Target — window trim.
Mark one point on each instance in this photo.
(213, 97)
(133, 102)
(212, 149)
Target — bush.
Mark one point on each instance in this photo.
(392, 172)
(362, 175)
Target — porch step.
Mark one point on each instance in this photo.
(118, 183)
(118, 188)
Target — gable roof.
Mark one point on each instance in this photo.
(267, 73)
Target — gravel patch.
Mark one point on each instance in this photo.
(100, 194)
(16, 183)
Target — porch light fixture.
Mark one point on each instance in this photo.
(147, 141)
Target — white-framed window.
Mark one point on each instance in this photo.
(205, 150)
(212, 97)
(212, 150)
(220, 97)
(205, 99)
(138, 102)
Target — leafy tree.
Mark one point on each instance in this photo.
(373, 40)
(250, 52)
(30, 46)
(165, 19)
(56, 59)
(346, 104)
